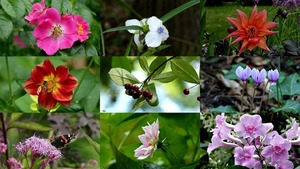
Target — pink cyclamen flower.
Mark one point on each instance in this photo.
(3, 148)
(258, 76)
(245, 157)
(14, 164)
(38, 9)
(55, 32)
(277, 150)
(149, 141)
(243, 74)
(273, 75)
(250, 126)
(82, 28)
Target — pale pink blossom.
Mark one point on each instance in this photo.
(277, 150)
(250, 126)
(55, 32)
(14, 164)
(3, 148)
(246, 157)
(38, 9)
(149, 141)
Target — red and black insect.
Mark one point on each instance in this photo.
(63, 140)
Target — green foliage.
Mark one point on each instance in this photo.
(122, 130)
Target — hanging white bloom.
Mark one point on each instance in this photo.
(157, 34)
(137, 33)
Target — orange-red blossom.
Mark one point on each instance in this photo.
(252, 31)
(51, 85)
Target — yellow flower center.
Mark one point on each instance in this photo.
(251, 31)
(56, 31)
(50, 84)
(80, 29)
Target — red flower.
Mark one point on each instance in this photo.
(51, 85)
(252, 31)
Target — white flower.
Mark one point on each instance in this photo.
(137, 33)
(149, 141)
(157, 34)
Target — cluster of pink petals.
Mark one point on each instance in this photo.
(39, 148)
(3, 148)
(14, 164)
(255, 144)
(55, 31)
(149, 141)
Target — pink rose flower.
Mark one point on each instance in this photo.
(55, 32)
(149, 141)
(82, 28)
(38, 9)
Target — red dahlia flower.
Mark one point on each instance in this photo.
(252, 31)
(51, 85)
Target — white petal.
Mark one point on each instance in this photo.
(154, 23)
(165, 34)
(136, 39)
(153, 39)
(132, 22)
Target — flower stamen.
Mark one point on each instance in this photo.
(80, 29)
(251, 31)
(56, 31)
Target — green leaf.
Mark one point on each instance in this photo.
(73, 108)
(158, 61)
(291, 85)
(151, 51)
(27, 5)
(139, 102)
(95, 145)
(179, 9)
(165, 77)
(121, 76)
(6, 26)
(144, 63)
(154, 101)
(62, 6)
(14, 117)
(27, 37)
(225, 109)
(91, 101)
(83, 11)
(184, 71)
(24, 103)
(86, 84)
(8, 8)
(236, 167)
(84, 49)
(128, 49)
(29, 126)
(289, 106)
(121, 28)
(122, 62)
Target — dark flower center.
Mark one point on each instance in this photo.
(251, 31)
(160, 30)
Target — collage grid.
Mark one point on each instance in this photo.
(116, 84)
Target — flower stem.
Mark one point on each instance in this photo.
(252, 99)
(9, 81)
(4, 138)
(265, 88)
(242, 96)
(82, 78)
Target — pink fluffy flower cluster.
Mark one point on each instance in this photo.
(255, 144)
(55, 31)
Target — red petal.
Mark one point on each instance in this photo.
(235, 22)
(38, 73)
(62, 96)
(262, 44)
(260, 19)
(69, 84)
(253, 16)
(46, 100)
(265, 32)
(269, 25)
(238, 40)
(243, 47)
(65, 103)
(243, 18)
(48, 66)
(62, 73)
(31, 86)
(236, 33)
